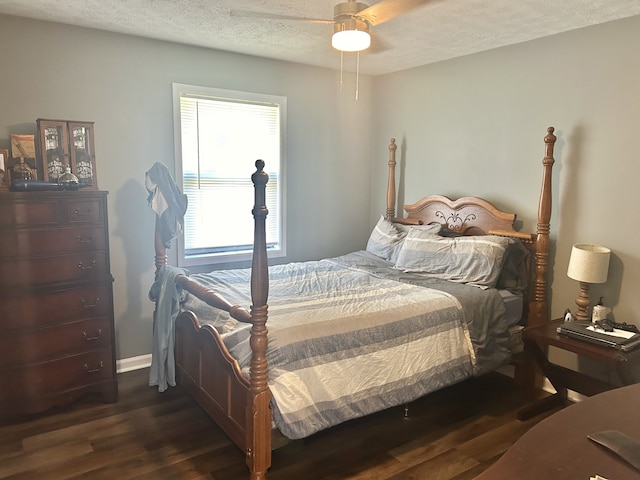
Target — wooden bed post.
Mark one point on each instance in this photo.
(259, 428)
(161, 249)
(539, 307)
(391, 181)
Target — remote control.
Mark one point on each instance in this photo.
(605, 325)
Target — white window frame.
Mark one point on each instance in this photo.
(279, 250)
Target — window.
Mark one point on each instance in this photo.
(219, 134)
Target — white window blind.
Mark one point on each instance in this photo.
(222, 134)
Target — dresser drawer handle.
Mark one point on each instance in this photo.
(89, 211)
(89, 306)
(82, 266)
(94, 370)
(95, 337)
(81, 240)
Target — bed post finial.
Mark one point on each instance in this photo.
(539, 308)
(391, 181)
(258, 454)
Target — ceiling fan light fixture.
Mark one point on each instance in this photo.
(351, 35)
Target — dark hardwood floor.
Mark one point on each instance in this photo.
(452, 434)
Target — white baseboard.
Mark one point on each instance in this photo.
(133, 363)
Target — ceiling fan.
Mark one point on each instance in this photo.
(351, 20)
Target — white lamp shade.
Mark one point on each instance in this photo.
(589, 263)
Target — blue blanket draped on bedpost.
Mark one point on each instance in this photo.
(166, 200)
(170, 205)
(166, 294)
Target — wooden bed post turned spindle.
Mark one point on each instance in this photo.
(259, 439)
(391, 181)
(539, 306)
(160, 248)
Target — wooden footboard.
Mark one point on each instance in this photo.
(208, 372)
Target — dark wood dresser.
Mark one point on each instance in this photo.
(56, 300)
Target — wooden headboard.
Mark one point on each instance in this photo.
(466, 215)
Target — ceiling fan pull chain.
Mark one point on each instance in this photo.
(357, 73)
(341, 69)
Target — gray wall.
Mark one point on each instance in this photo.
(472, 125)
(123, 83)
(475, 125)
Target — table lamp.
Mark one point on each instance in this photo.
(588, 264)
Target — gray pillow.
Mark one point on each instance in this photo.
(514, 268)
(474, 260)
(384, 239)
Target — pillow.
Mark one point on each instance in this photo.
(445, 232)
(434, 227)
(474, 260)
(386, 238)
(514, 268)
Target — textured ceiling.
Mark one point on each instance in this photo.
(437, 30)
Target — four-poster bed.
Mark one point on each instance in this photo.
(235, 382)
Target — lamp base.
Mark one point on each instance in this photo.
(582, 301)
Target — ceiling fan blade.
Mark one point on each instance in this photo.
(273, 16)
(386, 10)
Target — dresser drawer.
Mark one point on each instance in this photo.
(19, 213)
(49, 378)
(54, 307)
(42, 209)
(61, 268)
(27, 243)
(84, 211)
(20, 347)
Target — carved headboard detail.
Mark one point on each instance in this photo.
(466, 216)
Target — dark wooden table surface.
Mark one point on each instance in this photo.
(558, 447)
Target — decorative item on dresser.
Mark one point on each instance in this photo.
(22, 162)
(4, 166)
(66, 142)
(56, 300)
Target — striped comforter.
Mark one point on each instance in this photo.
(350, 336)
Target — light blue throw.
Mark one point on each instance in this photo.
(167, 297)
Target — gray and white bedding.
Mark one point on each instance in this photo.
(352, 335)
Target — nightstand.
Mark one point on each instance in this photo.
(537, 340)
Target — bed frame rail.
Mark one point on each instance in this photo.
(203, 293)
